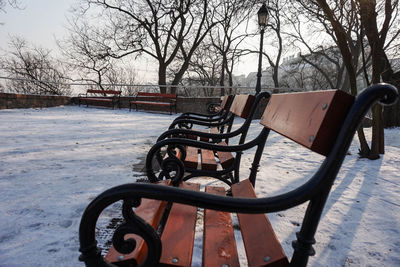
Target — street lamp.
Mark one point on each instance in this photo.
(262, 22)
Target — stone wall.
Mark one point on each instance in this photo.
(9, 101)
(184, 104)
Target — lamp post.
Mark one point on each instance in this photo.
(262, 22)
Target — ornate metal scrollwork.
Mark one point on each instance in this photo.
(132, 224)
(185, 125)
(136, 225)
(172, 167)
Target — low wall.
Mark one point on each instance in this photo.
(9, 101)
(184, 104)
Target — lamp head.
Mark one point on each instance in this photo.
(263, 16)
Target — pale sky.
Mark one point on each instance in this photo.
(39, 22)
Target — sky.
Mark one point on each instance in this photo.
(41, 22)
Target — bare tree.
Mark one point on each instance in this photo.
(205, 67)
(122, 79)
(159, 29)
(85, 55)
(310, 71)
(381, 68)
(12, 3)
(230, 32)
(33, 70)
(331, 11)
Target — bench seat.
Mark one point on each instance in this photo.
(206, 159)
(219, 243)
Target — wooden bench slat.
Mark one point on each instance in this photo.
(97, 99)
(241, 105)
(151, 103)
(225, 158)
(151, 211)
(178, 235)
(208, 161)
(192, 157)
(225, 100)
(219, 244)
(214, 130)
(173, 96)
(256, 229)
(202, 138)
(315, 125)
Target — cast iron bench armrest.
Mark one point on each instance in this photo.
(208, 123)
(225, 105)
(201, 115)
(205, 119)
(175, 132)
(181, 143)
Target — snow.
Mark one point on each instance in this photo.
(54, 161)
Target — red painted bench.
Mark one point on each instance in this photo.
(160, 219)
(206, 159)
(100, 98)
(154, 99)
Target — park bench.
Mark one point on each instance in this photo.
(100, 98)
(155, 100)
(209, 162)
(220, 121)
(159, 219)
(221, 115)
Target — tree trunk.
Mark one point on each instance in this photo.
(222, 78)
(162, 78)
(364, 150)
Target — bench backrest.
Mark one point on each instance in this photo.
(110, 92)
(241, 105)
(226, 100)
(159, 95)
(312, 119)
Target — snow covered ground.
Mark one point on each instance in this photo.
(54, 161)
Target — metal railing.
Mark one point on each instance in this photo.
(132, 89)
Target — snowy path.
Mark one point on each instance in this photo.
(54, 161)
